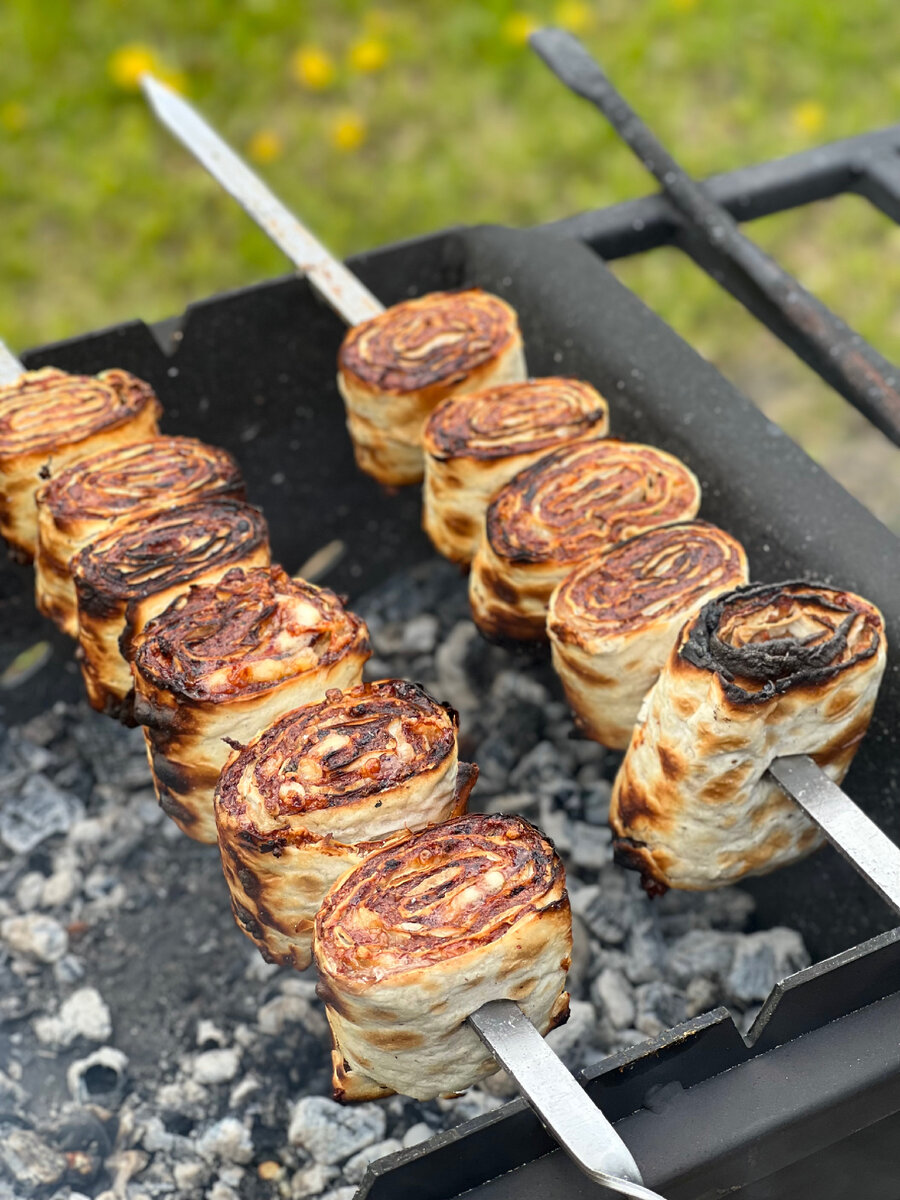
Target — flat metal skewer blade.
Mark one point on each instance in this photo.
(850, 831)
(10, 367)
(337, 286)
(565, 1109)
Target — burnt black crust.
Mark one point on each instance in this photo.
(782, 663)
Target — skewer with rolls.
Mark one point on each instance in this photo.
(50, 419)
(563, 1107)
(797, 642)
(394, 364)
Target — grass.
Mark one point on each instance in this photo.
(434, 113)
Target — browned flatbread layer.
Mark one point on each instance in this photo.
(301, 803)
(85, 500)
(129, 575)
(425, 931)
(49, 419)
(574, 502)
(761, 672)
(224, 661)
(613, 621)
(394, 369)
(476, 443)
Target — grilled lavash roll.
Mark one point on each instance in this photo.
(424, 932)
(85, 500)
(308, 797)
(132, 573)
(49, 419)
(394, 368)
(763, 671)
(573, 503)
(474, 444)
(613, 621)
(224, 661)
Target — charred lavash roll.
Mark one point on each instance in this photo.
(763, 671)
(613, 621)
(426, 931)
(224, 661)
(132, 573)
(394, 368)
(85, 500)
(310, 796)
(474, 444)
(49, 419)
(571, 504)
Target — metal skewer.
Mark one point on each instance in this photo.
(564, 1108)
(10, 367)
(826, 342)
(337, 286)
(845, 825)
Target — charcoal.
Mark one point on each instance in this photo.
(613, 996)
(36, 811)
(28, 1159)
(761, 960)
(114, 923)
(659, 1007)
(332, 1133)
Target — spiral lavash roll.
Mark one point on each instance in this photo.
(85, 500)
(573, 503)
(763, 671)
(49, 419)
(613, 621)
(225, 661)
(308, 797)
(422, 934)
(474, 444)
(130, 574)
(394, 369)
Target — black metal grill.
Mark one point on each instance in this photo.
(867, 165)
(815, 1091)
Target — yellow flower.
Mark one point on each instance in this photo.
(348, 131)
(265, 146)
(368, 55)
(312, 67)
(518, 27)
(573, 15)
(808, 116)
(13, 116)
(127, 64)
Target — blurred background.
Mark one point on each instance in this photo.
(378, 122)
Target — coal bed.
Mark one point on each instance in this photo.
(148, 1043)
(146, 1047)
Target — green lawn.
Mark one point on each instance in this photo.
(417, 114)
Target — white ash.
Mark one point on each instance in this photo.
(143, 1034)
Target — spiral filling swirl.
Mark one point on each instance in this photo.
(652, 577)
(588, 496)
(161, 471)
(515, 418)
(438, 338)
(437, 895)
(155, 553)
(767, 639)
(48, 407)
(246, 633)
(352, 746)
